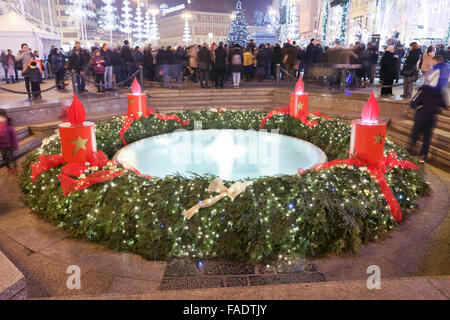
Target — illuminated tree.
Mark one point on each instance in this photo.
(239, 27)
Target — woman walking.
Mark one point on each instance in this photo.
(388, 71)
(98, 64)
(9, 67)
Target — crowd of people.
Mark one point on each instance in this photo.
(219, 63)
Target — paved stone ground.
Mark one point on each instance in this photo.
(43, 252)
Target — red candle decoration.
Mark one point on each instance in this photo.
(77, 136)
(298, 104)
(137, 101)
(368, 134)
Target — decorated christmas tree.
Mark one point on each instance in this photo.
(239, 27)
(126, 18)
(154, 33)
(187, 32)
(292, 21)
(147, 26)
(108, 18)
(138, 26)
(80, 11)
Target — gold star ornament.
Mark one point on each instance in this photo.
(79, 144)
(130, 102)
(300, 106)
(379, 139)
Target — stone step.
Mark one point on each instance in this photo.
(435, 155)
(443, 120)
(22, 132)
(46, 129)
(440, 139)
(445, 113)
(208, 102)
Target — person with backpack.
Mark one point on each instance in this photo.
(236, 58)
(8, 142)
(23, 59)
(34, 77)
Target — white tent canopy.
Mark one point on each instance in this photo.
(15, 30)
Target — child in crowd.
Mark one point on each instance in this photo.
(8, 142)
(34, 75)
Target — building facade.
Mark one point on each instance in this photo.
(209, 21)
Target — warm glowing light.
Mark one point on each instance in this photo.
(76, 113)
(371, 110)
(299, 87)
(135, 87)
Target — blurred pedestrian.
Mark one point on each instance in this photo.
(98, 65)
(236, 59)
(8, 142)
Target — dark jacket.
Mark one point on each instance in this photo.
(260, 62)
(410, 66)
(77, 60)
(268, 55)
(107, 55)
(221, 57)
(116, 59)
(57, 61)
(428, 103)
(388, 68)
(126, 54)
(318, 54)
(204, 58)
(148, 58)
(309, 54)
(138, 58)
(277, 56)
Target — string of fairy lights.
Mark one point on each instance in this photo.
(278, 218)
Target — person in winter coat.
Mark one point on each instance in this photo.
(427, 61)
(387, 71)
(427, 103)
(193, 61)
(236, 59)
(78, 61)
(8, 142)
(117, 64)
(24, 56)
(309, 57)
(8, 65)
(410, 69)
(204, 65)
(98, 64)
(34, 75)
(277, 57)
(57, 61)
(399, 53)
(128, 63)
(107, 56)
(220, 65)
(248, 64)
(260, 63)
(148, 63)
(369, 59)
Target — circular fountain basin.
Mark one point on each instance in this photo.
(229, 154)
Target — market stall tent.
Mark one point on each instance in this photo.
(15, 30)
